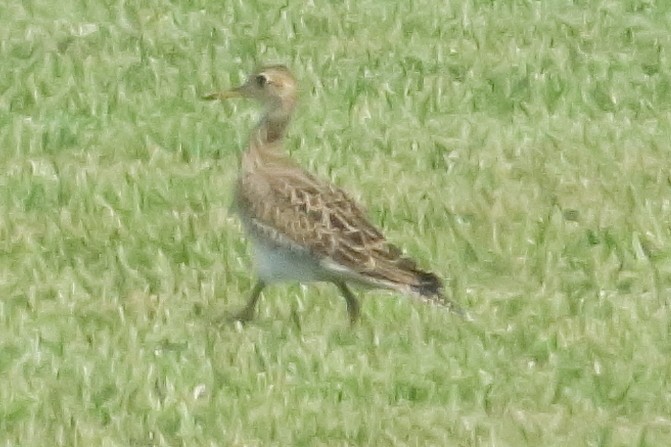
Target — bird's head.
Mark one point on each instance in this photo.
(272, 85)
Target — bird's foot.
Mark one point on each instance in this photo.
(243, 316)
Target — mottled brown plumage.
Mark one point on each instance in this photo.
(306, 229)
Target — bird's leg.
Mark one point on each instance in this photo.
(352, 303)
(247, 313)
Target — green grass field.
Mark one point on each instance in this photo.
(519, 148)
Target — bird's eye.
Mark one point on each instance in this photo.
(261, 80)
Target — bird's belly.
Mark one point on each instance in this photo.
(275, 263)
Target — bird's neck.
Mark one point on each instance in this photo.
(265, 142)
(273, 124)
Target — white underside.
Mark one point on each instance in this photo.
(276, 263)
(281, 260)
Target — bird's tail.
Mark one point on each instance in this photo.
(430, 288)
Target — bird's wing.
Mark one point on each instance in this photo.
(290, 206)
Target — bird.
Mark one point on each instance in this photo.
(305, 229)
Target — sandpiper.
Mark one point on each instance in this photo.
(305, 229)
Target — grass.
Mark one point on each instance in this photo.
(519, 148)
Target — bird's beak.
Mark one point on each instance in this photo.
(233, 93)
